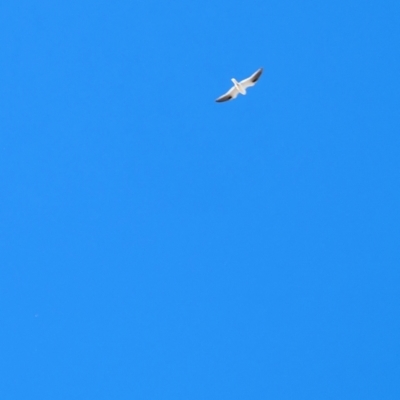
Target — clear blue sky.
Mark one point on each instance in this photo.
(155, 244)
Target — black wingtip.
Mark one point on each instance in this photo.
(221, 100)
(257, 75)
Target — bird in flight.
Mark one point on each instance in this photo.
(240, 87)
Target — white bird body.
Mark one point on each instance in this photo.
(240, 87)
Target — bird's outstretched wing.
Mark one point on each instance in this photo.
(229, 95)
(251, 81)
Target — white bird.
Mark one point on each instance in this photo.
(240, 87)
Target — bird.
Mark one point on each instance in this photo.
(240, 87)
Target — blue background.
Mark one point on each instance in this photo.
(155, 244)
